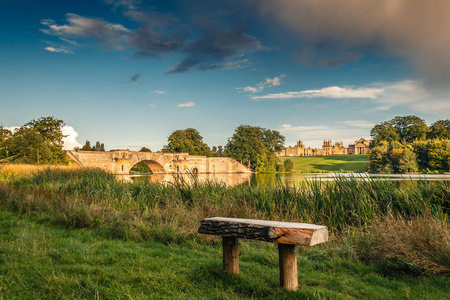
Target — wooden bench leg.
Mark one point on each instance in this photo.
(288, 266)
(230, 254)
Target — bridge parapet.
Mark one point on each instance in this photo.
(121, 162)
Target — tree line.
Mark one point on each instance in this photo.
(405, 144)
(40, 141)
(253, 146)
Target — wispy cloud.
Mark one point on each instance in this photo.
(58, 50)
(313, 136)
(152, 105)
(108, 34)
(333, 92)
(161, 34)
(128, 4)
(269, 82)
(416, 30)
(133, 78)
(213, 48)
(187, 104)
(357, 123)
(159, 92)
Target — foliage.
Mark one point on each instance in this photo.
(440, 130)
(37, 142)
(392, 157)
(405, 145)
(400, 129)
(288, 165)
(255, 147)
(98, 146)
(141, 167)
(145, 149)
(433, 154)
(187, 141)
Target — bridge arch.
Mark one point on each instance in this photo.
(155, 166)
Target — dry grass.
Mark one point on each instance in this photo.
(8, 170)
(421, 245)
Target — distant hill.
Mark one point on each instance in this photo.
(335, 163)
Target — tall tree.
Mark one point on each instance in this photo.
(87, 146)
(399, 129)
(255, 147)
(188, 140)
(5, 134)
(49, 128)
(440, 130)
(411, 128)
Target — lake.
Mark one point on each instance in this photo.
(288, 179)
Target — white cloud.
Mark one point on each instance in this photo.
(313, 136)
(58, 50)
(70, 141)
(110, 35)
(73, 43)
(358, 123)
(152, 105)
(235, 65)
(159, 92)
(268, 82)
(333, 92)
(12, 128)
(187, 104)
(288, 127)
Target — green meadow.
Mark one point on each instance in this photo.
(81, 234)
(332, 163)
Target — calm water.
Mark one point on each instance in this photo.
(270, 179)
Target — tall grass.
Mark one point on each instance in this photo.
(344, 202)
(91, 198)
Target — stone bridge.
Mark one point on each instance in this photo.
(121, 161)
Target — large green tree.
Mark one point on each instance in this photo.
(399, 129)
(39, 141)
(5, 134)
(255, 147)
(440, 130)
(188, 140)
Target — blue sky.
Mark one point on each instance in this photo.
(129, 72)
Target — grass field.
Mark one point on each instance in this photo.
(41, 261)
(81, 234)
(335, 163)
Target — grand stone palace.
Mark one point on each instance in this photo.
(360, 146)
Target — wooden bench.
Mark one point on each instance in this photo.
(288, 235)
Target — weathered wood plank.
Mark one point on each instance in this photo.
(270, 231)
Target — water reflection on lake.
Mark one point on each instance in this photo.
(230, 179)
(289, 179)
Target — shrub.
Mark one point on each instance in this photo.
(420, 245)
(288, 165)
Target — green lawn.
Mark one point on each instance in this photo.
(39, 260)
(335, 163)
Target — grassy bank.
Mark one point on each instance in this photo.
(335, 163)
(41, 261)
(81, 233)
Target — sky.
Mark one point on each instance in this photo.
(128, 73)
